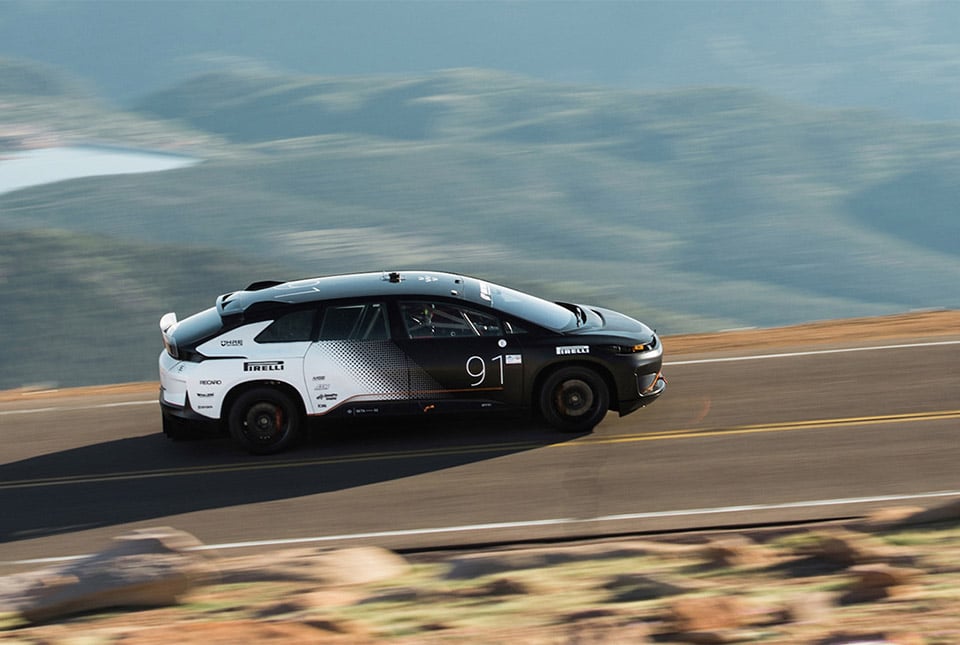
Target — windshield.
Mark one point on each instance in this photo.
(523, 305)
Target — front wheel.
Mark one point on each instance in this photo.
(264, 421)
(574, 399)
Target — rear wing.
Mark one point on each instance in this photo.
(167, 321)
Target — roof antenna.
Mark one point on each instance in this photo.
(394, 277)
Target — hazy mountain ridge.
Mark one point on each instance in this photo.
(694, 209)
(28, 78)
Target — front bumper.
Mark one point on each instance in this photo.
(649, 389)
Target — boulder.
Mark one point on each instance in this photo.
(145, 568)
(707, 613)
(878, 581)
(848, 548)
(735, 551)
(348, 566)
(484, 564)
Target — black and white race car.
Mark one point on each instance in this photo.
(418, 342)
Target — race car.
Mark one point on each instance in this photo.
(264, 359)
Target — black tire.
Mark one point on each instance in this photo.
(264, 421)
(574, 399)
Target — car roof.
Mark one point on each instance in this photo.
(352, 285)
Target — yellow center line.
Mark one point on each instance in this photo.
(785, 426)
(665, 435)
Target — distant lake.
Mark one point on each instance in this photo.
(47, 165)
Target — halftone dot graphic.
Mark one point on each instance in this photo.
(378, 367)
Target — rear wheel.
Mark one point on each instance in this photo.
(574, 399)
(264, 421)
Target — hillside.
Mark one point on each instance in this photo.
(82, 309)
(694, 210)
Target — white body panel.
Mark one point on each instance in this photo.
(233, 358)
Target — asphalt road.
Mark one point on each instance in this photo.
(732, 442)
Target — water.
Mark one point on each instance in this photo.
(48, 165)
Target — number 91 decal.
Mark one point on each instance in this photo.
(477, 368)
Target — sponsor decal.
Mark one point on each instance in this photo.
(514, 359)
(263, 366)
(573, 349)
(333, 396)
(205, 395)
(204, 407)
(319, 378)
(321, 387)
(231, 343)
(362, 411)
(213, 382)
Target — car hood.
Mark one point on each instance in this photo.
(607, 322)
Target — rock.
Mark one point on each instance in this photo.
(735, 551)
(847, 548)
(484, 564)
(878, 581)
(706, 613)
(145, 568)
(349, 566)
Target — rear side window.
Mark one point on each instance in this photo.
(361, 321)
(291, 327)
(447, 320)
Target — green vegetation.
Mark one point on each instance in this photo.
(693, 210)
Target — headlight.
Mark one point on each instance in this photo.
(639, 348)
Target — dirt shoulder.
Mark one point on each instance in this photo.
(911, 327)
(882, 580)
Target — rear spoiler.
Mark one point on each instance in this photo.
(168, 321)
(223, 299)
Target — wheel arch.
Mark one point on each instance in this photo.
(240, 388)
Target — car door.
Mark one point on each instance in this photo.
(460, 356)
(354, 364)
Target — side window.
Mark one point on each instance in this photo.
(289, 327)
(364, 321)
(425, 319)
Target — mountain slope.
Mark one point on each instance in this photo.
(694, 210)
